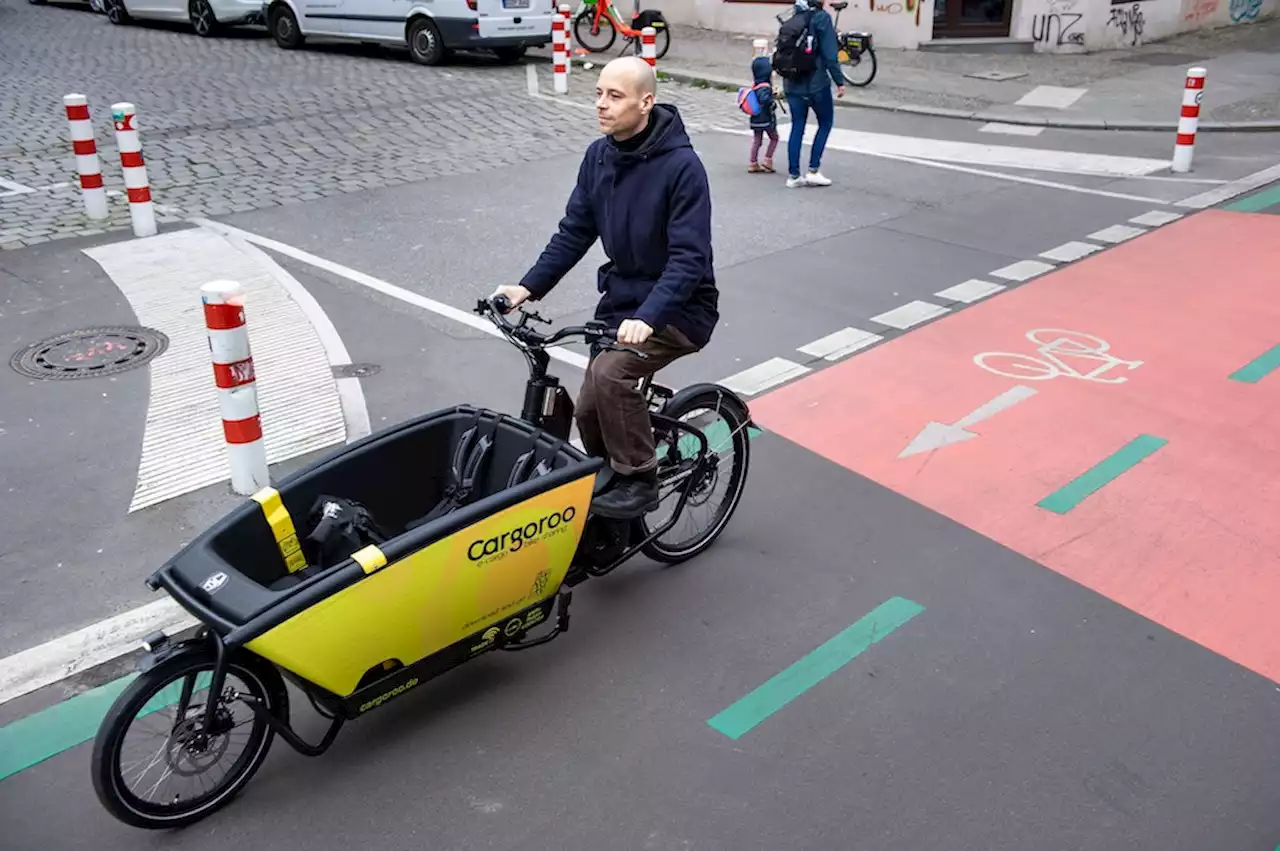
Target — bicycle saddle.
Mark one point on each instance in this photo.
(841, 6)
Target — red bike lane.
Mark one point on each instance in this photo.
(1115, 420)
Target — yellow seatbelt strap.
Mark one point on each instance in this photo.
(281, 524)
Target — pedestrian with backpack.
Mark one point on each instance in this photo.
(806, 58)
(758, 102)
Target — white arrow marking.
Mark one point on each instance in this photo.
(936, 435)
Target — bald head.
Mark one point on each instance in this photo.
(631, 73)
(624, 96)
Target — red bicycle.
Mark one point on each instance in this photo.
(598, 23)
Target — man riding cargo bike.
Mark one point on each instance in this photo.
(463, 531)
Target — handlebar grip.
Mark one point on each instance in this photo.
(502, 304)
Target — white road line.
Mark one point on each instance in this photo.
(762, 376)
(970, 291)
(1011, 129)
(471, 320)
(1070, 251)
(844, 342)
(1232, 189)
(1116, 234)
(1050, 97)
(1023, 270)
(23, 673)
(974, 153)
(355, 411)
(183, 447)
(1155, 218)
(15, 188)
(910, 314)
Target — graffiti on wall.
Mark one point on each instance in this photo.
(1130, 21)
(1245, 10)
(1198, 10)
(1059, 25)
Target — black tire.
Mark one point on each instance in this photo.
(854, 73)
(37, 2)
(662, 42)
(509, 55)
(284, 28)
(426, 47)
(116, 12)
(203, 21)
(592, 43)
(262, 681)
(708, 397)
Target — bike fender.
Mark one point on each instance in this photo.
(728, 395)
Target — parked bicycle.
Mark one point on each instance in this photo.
(598, 23)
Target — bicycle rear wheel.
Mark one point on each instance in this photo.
(729, 452)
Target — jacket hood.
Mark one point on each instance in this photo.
(668, 135)
(762, 69)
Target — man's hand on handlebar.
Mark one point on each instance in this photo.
(517, 295)
(633, 332)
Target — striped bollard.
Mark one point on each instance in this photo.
(141, 211)
(559, 55)
(566, 11)
(649, 45)
(237, 385)
(759, 47)
(1190, 119)
(86, 150)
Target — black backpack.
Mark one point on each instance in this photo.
(794, 54)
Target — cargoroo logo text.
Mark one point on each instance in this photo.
(513, 539)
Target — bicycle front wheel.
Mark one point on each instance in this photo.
(715, 494)
(156, 765)
(860, 69)
(595, 39)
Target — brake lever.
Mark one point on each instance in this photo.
(535, 317)
(618, 347)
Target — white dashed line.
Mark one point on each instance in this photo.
(970, 291)
(1155, 218)
(1116, 233)
(911, 313)
(1023, 270)
(763, 376)
(1011, 129)
(1070, 251)
(844, 342)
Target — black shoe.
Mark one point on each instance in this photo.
(630, 497)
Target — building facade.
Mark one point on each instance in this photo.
(1055, 26)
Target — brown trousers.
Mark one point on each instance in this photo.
(612, 417)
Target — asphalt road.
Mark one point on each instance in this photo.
(1017, 710)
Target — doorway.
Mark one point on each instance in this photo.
(971, 18)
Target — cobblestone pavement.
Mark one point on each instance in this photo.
(235, 124)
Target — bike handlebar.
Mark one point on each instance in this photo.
(498, 306)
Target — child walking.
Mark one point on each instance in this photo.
(765, 119)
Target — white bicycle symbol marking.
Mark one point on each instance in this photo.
(1054, 344)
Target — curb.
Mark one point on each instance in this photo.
(711, 81)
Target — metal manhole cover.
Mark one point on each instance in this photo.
(89, 353)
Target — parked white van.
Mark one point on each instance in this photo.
(430, 28)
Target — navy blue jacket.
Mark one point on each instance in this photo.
(651, 209)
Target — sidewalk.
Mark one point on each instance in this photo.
(1135, 89)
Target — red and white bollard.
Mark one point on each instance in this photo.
(141, 211)
(237, 385)
(560, 52)
(566, 12)
(1190, 119)
(649, 45)
(86, 150)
